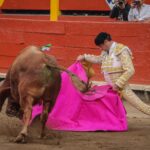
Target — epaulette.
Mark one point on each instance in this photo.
(119, 48)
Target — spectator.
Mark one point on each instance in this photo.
(120, 10)
(139, 11)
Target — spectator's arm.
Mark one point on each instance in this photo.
(114, 12)
(144, 18)
(126, 13)
(131, 15)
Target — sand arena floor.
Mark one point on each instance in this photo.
(136, 138)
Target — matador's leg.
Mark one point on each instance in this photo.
(135, 101)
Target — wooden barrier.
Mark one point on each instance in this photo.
(71, 38)
(64, 4)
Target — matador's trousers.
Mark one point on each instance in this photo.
(134, 100)
(130, 96)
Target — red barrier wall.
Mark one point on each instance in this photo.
(64, 4)
(26, 4)
(71, 38)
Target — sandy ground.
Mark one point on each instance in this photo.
(136, 138)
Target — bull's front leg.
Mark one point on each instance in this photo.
(26, 106)
(44, 117)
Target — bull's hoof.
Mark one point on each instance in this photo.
(14, 113)
(13, 110)
(11, 113)
(21, 138)
(42, 136)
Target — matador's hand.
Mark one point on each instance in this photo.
(80, 57)
(116, 88)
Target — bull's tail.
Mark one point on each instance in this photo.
(77, 82)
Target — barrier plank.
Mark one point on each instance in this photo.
(64, 4)
(30, 25)
(71, 38)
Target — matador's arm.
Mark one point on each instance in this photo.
(127, 64)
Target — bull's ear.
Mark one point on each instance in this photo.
(79, 84)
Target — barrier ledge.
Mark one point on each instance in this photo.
(2, 75)
(136, 87)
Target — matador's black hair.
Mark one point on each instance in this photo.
(101, 37)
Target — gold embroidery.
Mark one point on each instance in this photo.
(126, 68)
(112, 70)
(118, 49)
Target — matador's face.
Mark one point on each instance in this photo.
(105, 46)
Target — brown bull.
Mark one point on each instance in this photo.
(34, 77)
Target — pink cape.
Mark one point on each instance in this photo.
(98, 109)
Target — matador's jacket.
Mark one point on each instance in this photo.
(117, 68)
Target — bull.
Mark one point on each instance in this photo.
(33, 77)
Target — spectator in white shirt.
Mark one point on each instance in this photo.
(139, 11)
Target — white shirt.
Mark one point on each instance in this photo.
(140, 15)
(116, 62)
